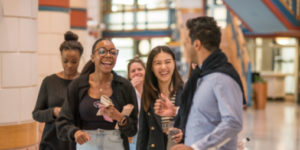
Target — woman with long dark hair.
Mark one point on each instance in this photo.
(80, 118)
(162, 81)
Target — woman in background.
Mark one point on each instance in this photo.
(136, 74)
(53, 92)
(79, 120)
(162, 81)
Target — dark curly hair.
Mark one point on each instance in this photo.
(206, 30)
(71, 43)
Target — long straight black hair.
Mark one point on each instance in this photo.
(150, 87)
(89, 67)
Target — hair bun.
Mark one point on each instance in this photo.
(136, 57)
(70, 36)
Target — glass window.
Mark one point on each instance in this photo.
(159, 19)
(128, 18)
(258, 59)
(114, 18)
(284, 60)
(141, 16)
(157, 25)
(123, 2)
(125, 45)
(128, 26)
(141, 26)
(144, 12)
(115, 27)
(290, 84)
(277, 55)
(150, 4)
(157, 16)
(218, 2)
(210, 2)
(258, 41)
(159, 41)
(123, 42)
(220, 13)
(216, 9)
(285, 41)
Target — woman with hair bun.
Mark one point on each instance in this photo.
(53, 91)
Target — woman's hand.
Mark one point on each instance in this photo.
(164, 107)
(113, 113)
(178, 136)
(136, 81)
(81, 137)
(56, 111)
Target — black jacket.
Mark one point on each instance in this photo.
(151, 135)
(69, 120)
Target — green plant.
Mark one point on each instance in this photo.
(258, 79)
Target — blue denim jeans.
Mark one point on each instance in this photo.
(132, 145)
(102, 140)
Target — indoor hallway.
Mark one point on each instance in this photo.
(275, 128)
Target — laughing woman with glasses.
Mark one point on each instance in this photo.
(79, 120)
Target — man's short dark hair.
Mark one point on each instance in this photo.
(206, 30)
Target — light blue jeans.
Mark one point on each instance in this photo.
(132, 145)
(102, 140)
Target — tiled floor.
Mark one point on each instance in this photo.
(275, 128)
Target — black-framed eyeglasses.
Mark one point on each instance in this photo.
(102, 51)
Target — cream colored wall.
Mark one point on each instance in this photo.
(29, 51)
(18, 72)
(51, 28)
(18, 60)
(82, 33)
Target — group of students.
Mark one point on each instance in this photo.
(203, 113)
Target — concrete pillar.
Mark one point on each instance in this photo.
(18, 73)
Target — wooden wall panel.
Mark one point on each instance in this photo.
(18, 136)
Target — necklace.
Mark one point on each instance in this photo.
(106, 86)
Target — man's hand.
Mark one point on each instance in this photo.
(181, 147)
(81, 137)
(164, 107)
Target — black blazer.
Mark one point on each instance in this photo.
(69, 120)
(150, 134)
